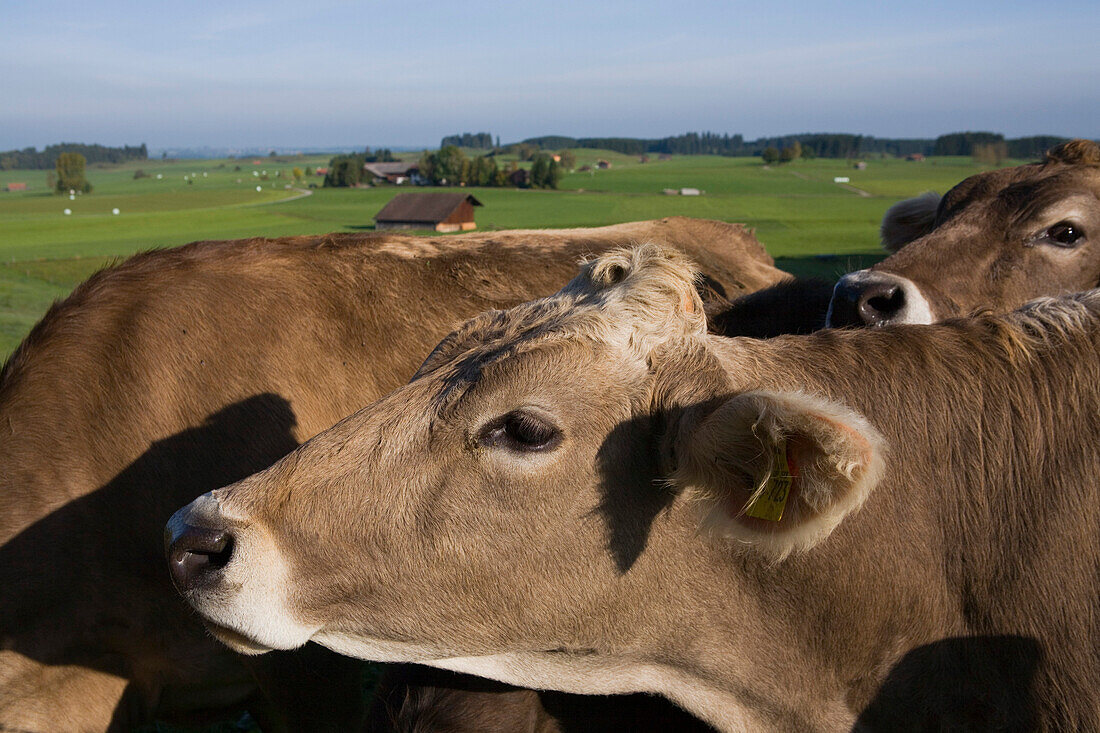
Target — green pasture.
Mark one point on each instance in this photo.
(809, 223)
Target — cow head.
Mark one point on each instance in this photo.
(996, 240)
(553, 490)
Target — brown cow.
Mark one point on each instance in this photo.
(589, 493)
(182, 370)
(994, 241)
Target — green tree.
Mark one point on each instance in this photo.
(343, 171)
(770, 155)
(553, 175)
(297, 173)
(568, 160)
(449, 167)
(70, 173)
(540, 171)
(791, 152)
(484, 171)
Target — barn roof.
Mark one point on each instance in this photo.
(433, 207)
(399, 168)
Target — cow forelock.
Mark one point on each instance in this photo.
(638, 298)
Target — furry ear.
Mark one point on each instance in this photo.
(908, 220)
(778, 471)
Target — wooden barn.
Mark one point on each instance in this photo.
(397, 172)
(443, 212)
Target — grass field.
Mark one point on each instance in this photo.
(797, 210)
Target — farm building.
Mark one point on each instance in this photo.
(443, 212)
(603, 164)
(17, 187)
(397, 172)
(519, 178)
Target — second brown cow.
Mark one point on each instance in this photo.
(996, 240)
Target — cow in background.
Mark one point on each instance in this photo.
(996, 240)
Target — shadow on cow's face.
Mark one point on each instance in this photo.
(995, 241)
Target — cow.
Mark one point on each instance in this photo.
(418, 699)
(862, 529)
(182, 370)
(995, 240)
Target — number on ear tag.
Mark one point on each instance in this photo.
(771, 502)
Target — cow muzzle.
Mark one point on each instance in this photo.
(870, 298)
(233, 574)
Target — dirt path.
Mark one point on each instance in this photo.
(853, 189)
(302, 193)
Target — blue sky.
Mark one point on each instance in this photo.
(345, 72)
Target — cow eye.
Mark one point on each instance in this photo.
(1064, 234)
(521, 430)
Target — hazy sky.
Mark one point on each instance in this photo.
(338, 72)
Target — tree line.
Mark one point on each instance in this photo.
(478, 140)
(30, 158)
(820, 145)
(449, 166)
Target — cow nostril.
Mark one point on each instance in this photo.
(196, 552)
(891, 303)
(881, 304)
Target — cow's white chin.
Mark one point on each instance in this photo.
(576, 673)
(237, 642)
(579, 673)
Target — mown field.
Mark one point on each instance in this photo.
(808, 222)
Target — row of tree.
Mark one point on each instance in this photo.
(30, 158)
(821, 145)
(449, 166)
(478, 140)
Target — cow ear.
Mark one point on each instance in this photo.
(778, 471)
(908, 220)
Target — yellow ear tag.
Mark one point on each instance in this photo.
(771, 502)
